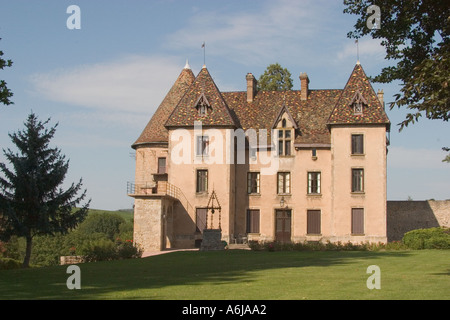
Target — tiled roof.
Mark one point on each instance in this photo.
(373, 112)
(155, 130)
(312, 116)
(186, 113)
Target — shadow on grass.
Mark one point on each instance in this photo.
(135, 278)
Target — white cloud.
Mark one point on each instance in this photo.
(132, 84)
(267, 31)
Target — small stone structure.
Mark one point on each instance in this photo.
(71, 260)
(212, 240)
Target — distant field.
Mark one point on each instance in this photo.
(127, 214)
(242, 274)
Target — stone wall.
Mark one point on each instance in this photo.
(404, 216)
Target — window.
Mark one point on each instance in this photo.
(200, 219)
(162, 165)
(357, 221)
(202, 105)
(357, 180)
(313, 182)
(253, 182)
(358, 103)
(284, 140)
(202, 181)
(253, 221)
(202, 146)
(357, 144)
(284, 183)
(313, 222)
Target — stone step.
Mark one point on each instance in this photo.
(238, 246)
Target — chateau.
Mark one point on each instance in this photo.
(290, 166)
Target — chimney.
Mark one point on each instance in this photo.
(380, 95)
(304, 81)
(251, 87)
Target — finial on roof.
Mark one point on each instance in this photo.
(187, 66)
(357, 62)
(204, 66)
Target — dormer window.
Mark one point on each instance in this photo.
(202, 105)
(357, 103)
(284, 139)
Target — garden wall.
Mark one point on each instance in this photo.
(404, 216)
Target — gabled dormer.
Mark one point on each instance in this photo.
(358, 103)
(202, 105)
(285, 128)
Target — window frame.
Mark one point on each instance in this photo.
(202, 146)
(310, 185)
(357, 144)
(313, 227)
(357, 185)
(253, 221)
(285, 183)
(201, 184)
(251, 180)
(357, 221)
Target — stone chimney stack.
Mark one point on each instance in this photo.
(304, 81)
(380, 95)
(251, 87)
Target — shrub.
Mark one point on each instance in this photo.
(99, 250)
(126, 250)
(431, 238)
(8, 264)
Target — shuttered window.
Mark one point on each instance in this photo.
(313, 222)
(200, 220)
(357, 221)
(253, 221)
(161, 165)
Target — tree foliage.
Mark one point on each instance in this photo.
(32, 201)
(415, 34)
(275, 78)
(5, 93)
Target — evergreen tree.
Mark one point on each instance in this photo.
(32, 201)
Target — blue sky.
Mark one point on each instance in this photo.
(103, 82)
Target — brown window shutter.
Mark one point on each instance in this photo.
(313, 222)
(357, 221)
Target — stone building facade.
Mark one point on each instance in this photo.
(297, 165)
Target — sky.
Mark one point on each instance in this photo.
(102, 82)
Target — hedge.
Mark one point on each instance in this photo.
(432, 238)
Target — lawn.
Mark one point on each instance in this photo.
(236, 275)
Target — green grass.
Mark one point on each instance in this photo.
(236, 274)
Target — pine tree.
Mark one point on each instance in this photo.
(32, 201)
